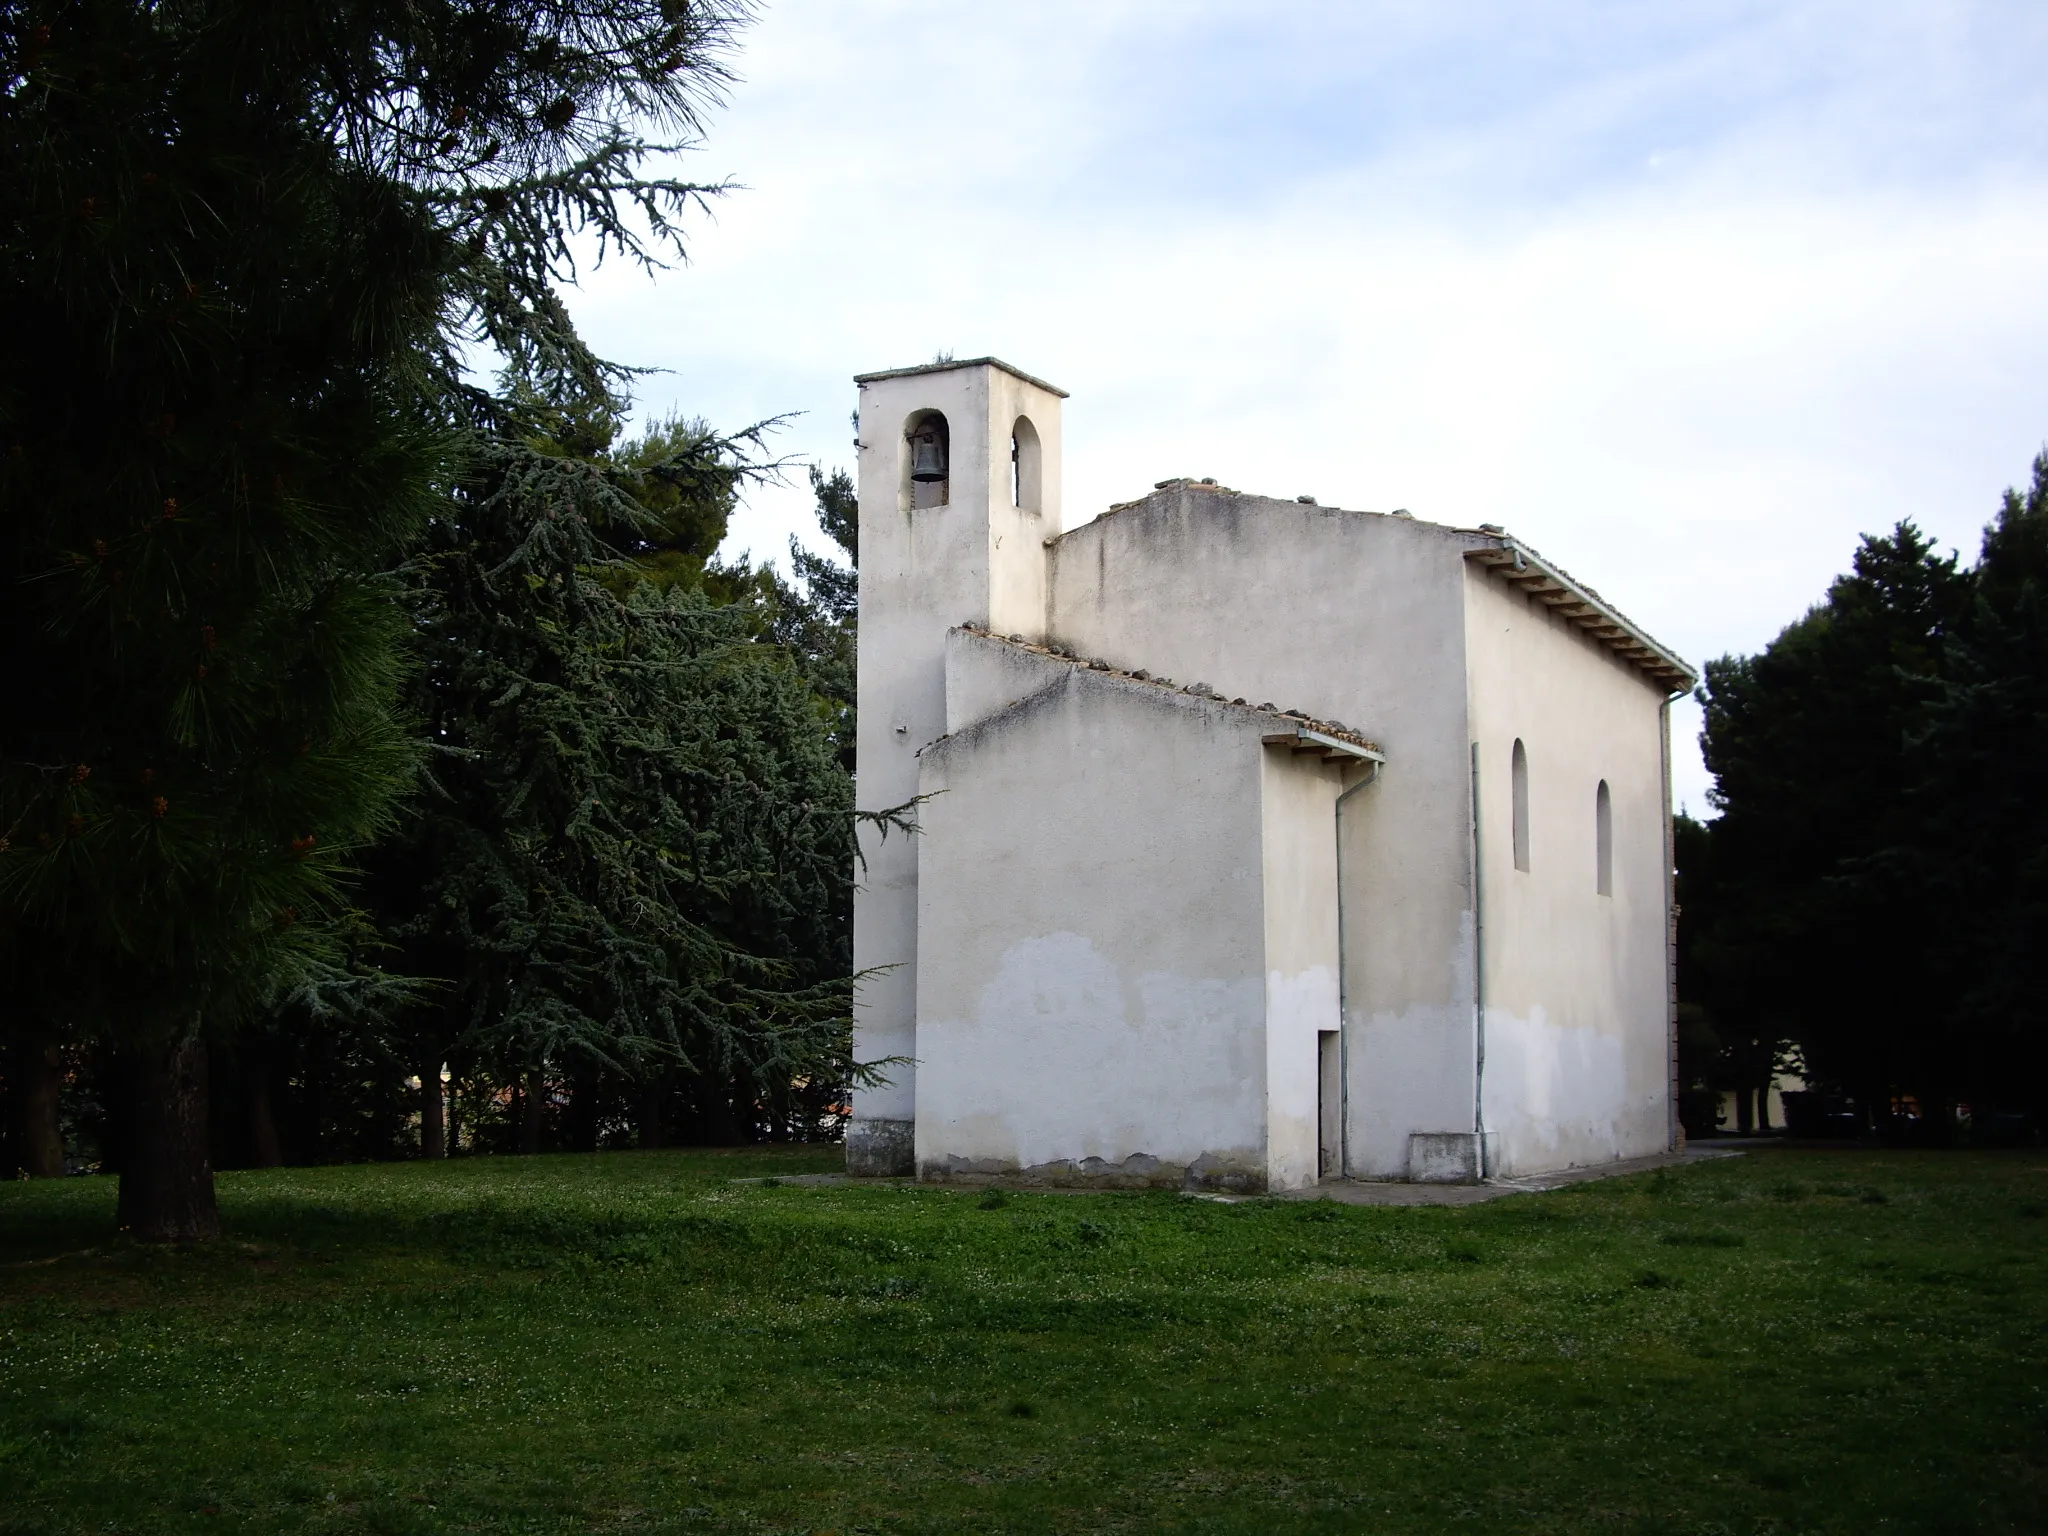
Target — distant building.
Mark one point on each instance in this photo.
(1261, 842)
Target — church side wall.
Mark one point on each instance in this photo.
(1575, 1033)
(1091, 991)
(1352, 616)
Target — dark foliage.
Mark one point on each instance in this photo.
(1871, 898)
(249, 254)
(1978, 849)
(631, 857)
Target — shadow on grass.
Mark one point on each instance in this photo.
(502, 1212)
(563, 1344)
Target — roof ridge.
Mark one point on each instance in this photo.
(1209, 485)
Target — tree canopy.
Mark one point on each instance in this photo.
(632, 851)
(1871, 893)
(252, 254)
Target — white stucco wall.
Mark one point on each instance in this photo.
(1093, 977)
(978, 558)
(1112, 947)
(1298, 833)
(1576, 1018)
(1355, 616)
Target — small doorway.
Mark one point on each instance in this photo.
(1329, 1105)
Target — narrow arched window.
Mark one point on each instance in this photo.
(1603, 840)
(1024, 466)
(1520, 776)
(927, 460)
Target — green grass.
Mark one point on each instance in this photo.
(1783, 1342)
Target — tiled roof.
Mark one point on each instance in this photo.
(1330, 738)
(1515, 562)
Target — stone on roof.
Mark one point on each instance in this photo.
(947, 365)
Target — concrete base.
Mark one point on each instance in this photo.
(881, 1149)
(1388, 1192)
(1362, 1191)
(1210, 1171)
(1451, 1157)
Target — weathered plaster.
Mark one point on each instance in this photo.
(976, 558)
(1559, 1095)
(1111, 1006)
(1354, 616)
(878, 1148)
(1155, 990)
(1298, 835)
(1576, 1067)
(1451, 1157)
(1117, 940)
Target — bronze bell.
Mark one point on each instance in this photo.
(927, 456)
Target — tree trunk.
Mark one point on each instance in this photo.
(650, 1115)
(41, 1070)
(746, 1122)
(1745, 1120)
(532, 1113)
(722, 1121)
(454, 1115)
(167, 1185)
(113, 1072)
(433, 1120)
(583, 1112)
(266, 1150)
(309, 1125)
(1941, 1120)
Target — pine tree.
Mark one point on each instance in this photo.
(247, 251)
(632, 854)
(825, 622)
(686, 485)
(1978, 848)
(1821, 934)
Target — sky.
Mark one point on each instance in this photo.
(1687, 296)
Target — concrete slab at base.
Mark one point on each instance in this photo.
(881, 1149)
(1344, 1191)
(1236, 1173)
(1367, 1192)
(1449, 1157)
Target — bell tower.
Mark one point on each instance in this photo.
(959, 490)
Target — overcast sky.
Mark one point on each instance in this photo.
(1686, 295)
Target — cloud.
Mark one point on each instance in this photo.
(1688, 295)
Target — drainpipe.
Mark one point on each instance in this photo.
(1674, 1129)
(1478, 978)
(1372, 776)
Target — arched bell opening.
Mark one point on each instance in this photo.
(927, 460)
(1026, 467)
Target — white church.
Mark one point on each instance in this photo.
(1259, 842)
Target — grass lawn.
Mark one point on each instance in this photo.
(1787, 1341)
